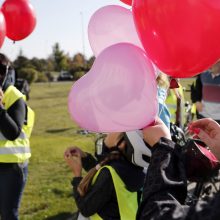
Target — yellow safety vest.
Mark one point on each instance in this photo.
(16, 151)
(127, 201)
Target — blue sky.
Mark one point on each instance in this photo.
(58, 21)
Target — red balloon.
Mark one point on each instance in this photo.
(181, 37)
(2, 28)
(20, 18)
(128, 2)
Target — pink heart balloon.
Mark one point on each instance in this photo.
(118, 94)
(110, 25)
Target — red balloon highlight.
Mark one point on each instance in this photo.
(127, 2)
(20, 19)
(2, 29)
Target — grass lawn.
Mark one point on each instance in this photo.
(48, 191)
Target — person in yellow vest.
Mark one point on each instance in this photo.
(16, 123)
(175, 102)
(109, 190)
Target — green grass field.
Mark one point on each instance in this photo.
(48, 191)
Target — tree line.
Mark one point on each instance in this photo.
(42, 70)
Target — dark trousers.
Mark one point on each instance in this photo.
(12, 181)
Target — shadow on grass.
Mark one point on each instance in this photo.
(58, 130)
(64, 216)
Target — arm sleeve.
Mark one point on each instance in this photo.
(12, 120)
(165, 189)
(88, 162)
(198, 90)
(165, 184)
(97, 196)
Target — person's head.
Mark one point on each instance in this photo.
(107, 144)
(216, 68)
(129, 144)
(7, 74)
(114, 146)
(162, 80)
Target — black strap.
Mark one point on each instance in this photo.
(26, 114)
(120, 141)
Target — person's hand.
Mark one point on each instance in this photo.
(1, 97)
(152, 134)
(208, 131)
(199, 106)
(76, 150)
(73, 160)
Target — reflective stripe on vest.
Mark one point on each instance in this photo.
(21, 136)
(18, 150)
(14, 150)
(127, 201)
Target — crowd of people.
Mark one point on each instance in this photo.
(159, 188)
(133, 175)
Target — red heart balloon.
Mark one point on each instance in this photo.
(20, 18)
(174, 84)
(128, 2)
(2, 28)
(180, 37)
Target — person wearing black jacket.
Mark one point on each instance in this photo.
(165, 186)
(101, 196)
(13, 169)
(205, 93)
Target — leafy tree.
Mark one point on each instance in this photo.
(29, 74)
(21, 61)
(59, 59)
(90, 62)
(78, 75)
(78, 63)
(39, 64)
(42, 77)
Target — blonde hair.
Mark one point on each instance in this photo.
(162, 80)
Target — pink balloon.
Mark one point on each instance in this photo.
(118, 94)
(110, 25)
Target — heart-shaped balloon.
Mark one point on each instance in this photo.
(118, 94)
(110, 25)
(180, 37)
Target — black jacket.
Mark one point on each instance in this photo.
(165, 189)
(12, 119)
(101, 197)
